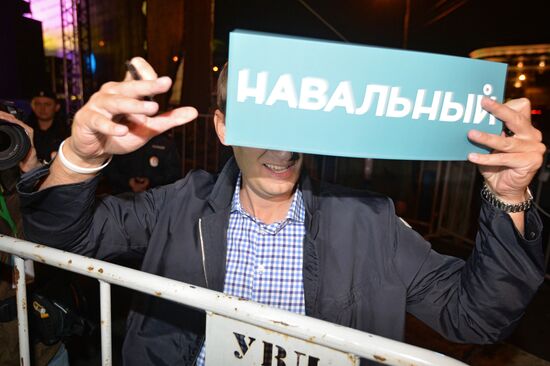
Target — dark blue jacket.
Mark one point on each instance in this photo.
(363, 267)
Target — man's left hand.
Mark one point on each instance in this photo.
(514, 160)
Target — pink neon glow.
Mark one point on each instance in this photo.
(49, 13)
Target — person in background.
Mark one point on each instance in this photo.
(48, 125)
(156, 163)
(11, 225)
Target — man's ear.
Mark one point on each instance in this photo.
(57, 107)
(219, 125)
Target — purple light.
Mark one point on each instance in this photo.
(49, 13)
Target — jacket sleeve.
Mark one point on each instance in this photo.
(69, 217)
(479, 300)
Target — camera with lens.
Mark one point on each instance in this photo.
(14, 141)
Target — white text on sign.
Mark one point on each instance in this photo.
(312, 93)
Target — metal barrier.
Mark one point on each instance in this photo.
(232, 324)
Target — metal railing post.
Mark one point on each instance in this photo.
(22, 319)
(105, 299)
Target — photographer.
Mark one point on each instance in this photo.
(53, 354)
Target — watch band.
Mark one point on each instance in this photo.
(503, 206)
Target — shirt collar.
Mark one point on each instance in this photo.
(295, 213)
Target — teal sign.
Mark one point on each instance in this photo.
(311, 96)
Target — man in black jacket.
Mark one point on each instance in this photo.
(353, 261)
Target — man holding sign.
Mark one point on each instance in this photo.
(263, 230)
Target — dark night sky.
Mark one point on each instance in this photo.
(474, 24)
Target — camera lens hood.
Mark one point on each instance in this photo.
(14, 144)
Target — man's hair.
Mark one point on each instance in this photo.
(221, 98)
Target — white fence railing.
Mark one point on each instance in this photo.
(300, 337)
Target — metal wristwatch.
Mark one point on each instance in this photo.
(503, 206)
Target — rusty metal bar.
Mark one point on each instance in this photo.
(105, 307)
(22, 319)
(321, 332)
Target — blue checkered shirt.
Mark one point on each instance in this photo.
(264, 262)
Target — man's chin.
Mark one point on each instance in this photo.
(281, 189)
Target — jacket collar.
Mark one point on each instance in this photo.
(224, 188)
(221, 195)
(310, 191)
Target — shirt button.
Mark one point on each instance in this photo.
(261, 268)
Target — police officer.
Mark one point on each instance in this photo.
(156, 163)
(50, 129)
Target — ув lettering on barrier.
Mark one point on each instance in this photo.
(328, 98)
(233, 343)
(281, 356)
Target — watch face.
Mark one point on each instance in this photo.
(154, 161)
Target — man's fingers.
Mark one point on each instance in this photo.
(138, 119)
(516, 115)
(98, 123)
(172, 118)
(119, 104)
(138, 89)
(144, 69)
(504, 143)
(146, 127)
(521, 105)
(527, 161)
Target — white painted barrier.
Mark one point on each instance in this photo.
(241, 332)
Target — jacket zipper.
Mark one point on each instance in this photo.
(200, 349)
(205, 279)
(202, 252)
